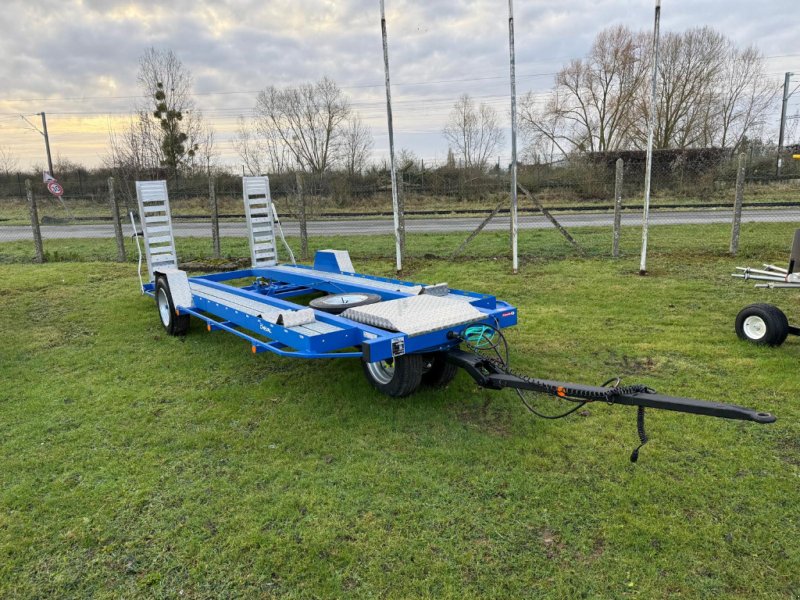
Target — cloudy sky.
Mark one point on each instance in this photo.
(77, 59)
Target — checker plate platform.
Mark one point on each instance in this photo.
(415, 315)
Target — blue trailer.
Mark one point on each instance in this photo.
(405, 334)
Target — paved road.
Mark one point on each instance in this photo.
(432, 225)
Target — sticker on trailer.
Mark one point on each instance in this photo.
(398, 347)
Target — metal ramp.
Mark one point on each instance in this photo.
(260, 221)
(159, 243)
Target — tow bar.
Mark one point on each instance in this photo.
(494, 374)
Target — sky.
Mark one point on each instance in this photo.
(76, 60)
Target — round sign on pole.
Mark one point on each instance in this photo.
(55, 188)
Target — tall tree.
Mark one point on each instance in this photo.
(307, 120)
(710, 94)
(589, 109)
(744, 97)
(356, 145)
(475, 133)
(167, 130)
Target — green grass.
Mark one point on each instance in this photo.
(133, 464)
(667, 243)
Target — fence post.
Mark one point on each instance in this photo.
(212, 198)
(37, 234)
(617, 207)
(301, 200)
(112, 199)
(737, 205)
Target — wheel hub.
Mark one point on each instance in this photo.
(382, 371)
(754, 327)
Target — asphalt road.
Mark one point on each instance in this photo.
(431, 225)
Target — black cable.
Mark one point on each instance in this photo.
(502, 362)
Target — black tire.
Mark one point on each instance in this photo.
(440, 372)
(397, 377)
(762, 324)
(338, 303)
(173, 324)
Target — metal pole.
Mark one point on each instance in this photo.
(37, 234)
(303, 217)
(112, 199)
(398, 225)
(47, 144)
(737, 205)
(514, 224)
(617, 207)
(786, 95)
(650, 126)
(212, 198)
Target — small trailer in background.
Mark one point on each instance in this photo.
(405, 334)
(766, 324)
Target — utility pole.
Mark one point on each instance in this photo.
(47, 144)
(650, 126)
(786, 95)
(399, 226)
(514, 255)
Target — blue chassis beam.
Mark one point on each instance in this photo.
(376, 344)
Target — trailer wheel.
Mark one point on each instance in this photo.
(173, 324)
(397, 377)
(338, 303)
(762, 324)
(440, 372)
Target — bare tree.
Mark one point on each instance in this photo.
(474, 133)
(710, 93)
(8, 161)
(167, 130)
(308, 121)
(356, 145)
(690, 65)
(263, 151)
(744, 96)
(589, 110)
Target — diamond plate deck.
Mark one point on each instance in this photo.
(415, 315)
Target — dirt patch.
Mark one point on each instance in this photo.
(631, 365)
(485, 418)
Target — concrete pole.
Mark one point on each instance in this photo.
(779, 164)
(650, 126)
(303, 217)
(47, 144)
(737, 205)
(514, 221)
(617, 207)
(37, 234)
(214, 206)
(112, 199)
(397, 209)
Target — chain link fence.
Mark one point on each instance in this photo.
(449, 213)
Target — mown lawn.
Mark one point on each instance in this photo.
(133, 464)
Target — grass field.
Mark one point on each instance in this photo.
(133, 464)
